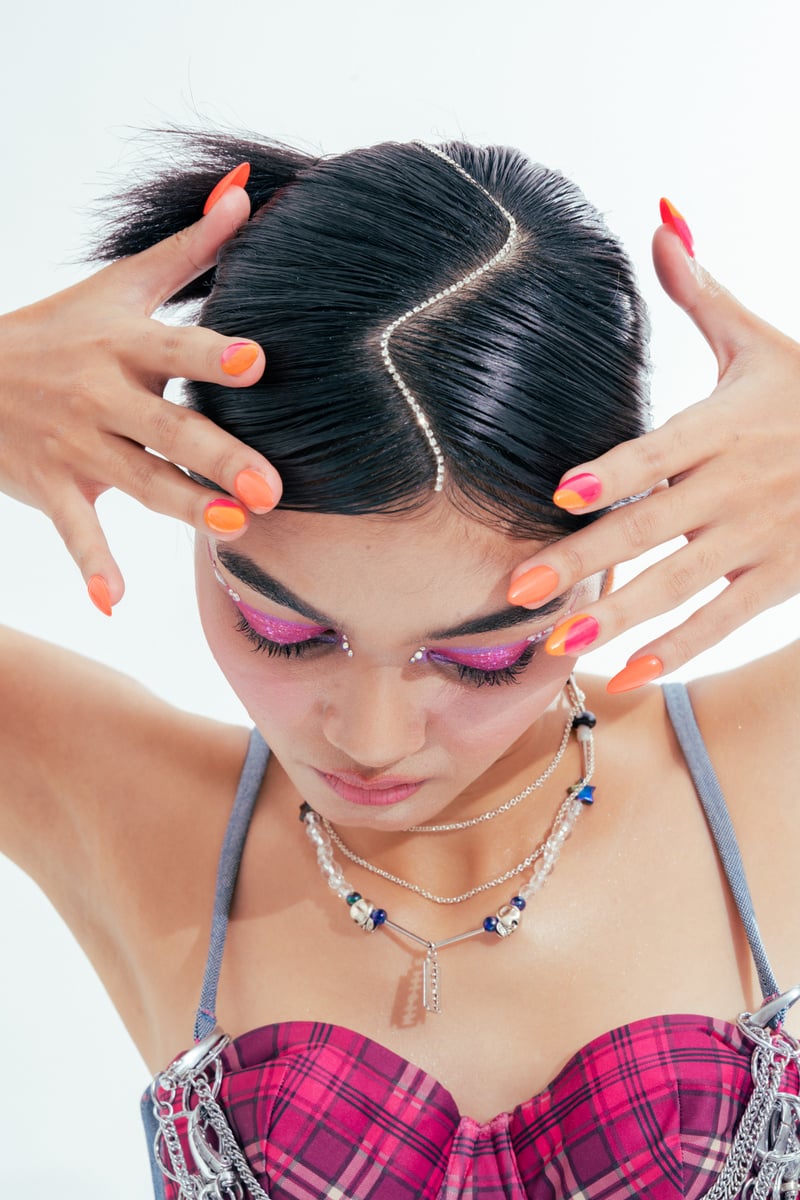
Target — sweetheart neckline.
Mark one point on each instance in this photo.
(730, 1028)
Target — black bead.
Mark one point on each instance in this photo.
(585, 718)
(305, 809)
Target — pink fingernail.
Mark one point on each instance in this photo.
(236, 358)
(573, 636)
(578, 491)
(670, 216)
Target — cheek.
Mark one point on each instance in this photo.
(476, 722)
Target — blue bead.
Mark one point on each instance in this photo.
(518, 902)
(586, 794)
(490, 924)
(378, 916)
(353, 898)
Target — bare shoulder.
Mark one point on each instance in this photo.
(748, 719)
(748, 716)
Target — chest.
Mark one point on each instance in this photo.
(636, 920)
(612, 938)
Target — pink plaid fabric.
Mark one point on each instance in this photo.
(648, 1109)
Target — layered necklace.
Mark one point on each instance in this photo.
(505, 921)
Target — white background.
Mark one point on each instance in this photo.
(634, 100)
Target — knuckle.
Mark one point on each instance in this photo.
(684, 644)
(650, 452)
(167, 424)
(142, 472)
(574, 562)
(680, 583)
(637, 527)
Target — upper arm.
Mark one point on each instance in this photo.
(84, 750)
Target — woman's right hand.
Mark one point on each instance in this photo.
(81, 381)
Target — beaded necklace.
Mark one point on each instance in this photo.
(507, 918)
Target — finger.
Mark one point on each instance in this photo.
(728, 327)
(161, 352)
(662, 587)
(77, 523)
(193, 441)
(163, 488)
(706, 627)
(641, 465)
(619, 536)
(150, 277)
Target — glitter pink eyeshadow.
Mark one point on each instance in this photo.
(277, 630)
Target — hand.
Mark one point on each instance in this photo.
(81, 377)
(732, 469)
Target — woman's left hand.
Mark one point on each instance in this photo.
(732, 465)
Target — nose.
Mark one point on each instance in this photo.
(375, 717)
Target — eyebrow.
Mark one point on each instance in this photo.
(255, 577)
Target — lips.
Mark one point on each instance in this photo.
(388, 789)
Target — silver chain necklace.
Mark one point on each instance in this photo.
(576, 707)
(507, 918)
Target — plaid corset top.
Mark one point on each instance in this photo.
(304, 1110)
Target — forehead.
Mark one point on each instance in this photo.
(422, 570)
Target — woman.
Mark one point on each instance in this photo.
(451, 336)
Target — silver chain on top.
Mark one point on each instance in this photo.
(405, 390)
(184, 1093)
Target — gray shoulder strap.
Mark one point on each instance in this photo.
(679, 707)
(255, 764)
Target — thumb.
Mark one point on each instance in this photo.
(150, 277)
(727, 325)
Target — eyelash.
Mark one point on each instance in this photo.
(466, 674)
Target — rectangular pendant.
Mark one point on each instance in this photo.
(430, 982)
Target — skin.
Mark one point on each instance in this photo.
(122, 827)
(127, 839)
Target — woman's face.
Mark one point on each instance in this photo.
(372, 739)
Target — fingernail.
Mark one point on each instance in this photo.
(253, 490)
(533, 586)
(578, 491)
(640, 671)
(99, 594)
(671, 216)
(573, 636)
(236, 358)
(238, 177)
(224, 516)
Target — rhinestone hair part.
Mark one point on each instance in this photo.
(503, 252)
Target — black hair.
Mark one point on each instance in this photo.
(537, 365)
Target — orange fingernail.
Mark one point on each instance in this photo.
(640, 671)
(238, 177)
(236, 358)
(578, 491)
(573, 636)
(224, 516)
(99, 594)
(670, 216)
(534, 586)
(254, 491)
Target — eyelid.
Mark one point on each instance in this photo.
(276, 629)
(487, 657)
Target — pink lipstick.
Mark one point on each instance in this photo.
(388, 789)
